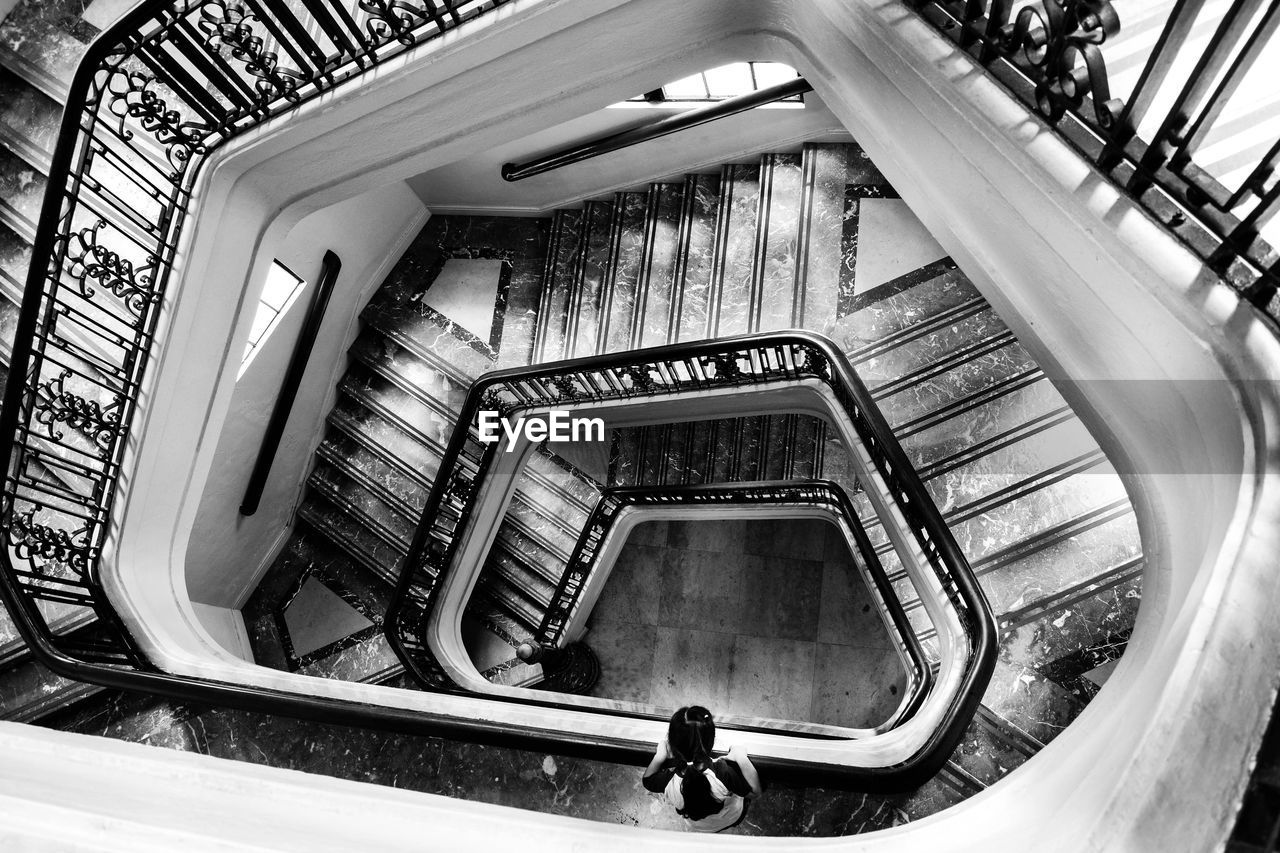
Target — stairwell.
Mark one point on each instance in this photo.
(764, 245)
(775, 244)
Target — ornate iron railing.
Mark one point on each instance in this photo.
(1050, 54)
(584, 561)
(742, 363)
(153, 97)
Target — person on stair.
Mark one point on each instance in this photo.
(710, 794)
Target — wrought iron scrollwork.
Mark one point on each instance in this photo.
(460, 489)
(392, 20)
(133, 96)
(90, 263)
(230, 26)
(1062, 39)
(726, 367)
(56, 405)
(39, 543)
(641, 378)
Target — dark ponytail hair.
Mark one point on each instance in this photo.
(690, 737)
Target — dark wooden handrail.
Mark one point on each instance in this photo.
(653, 130)
(329, 269)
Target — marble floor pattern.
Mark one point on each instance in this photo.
(760, 618)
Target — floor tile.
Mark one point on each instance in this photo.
(689, 669)
(771, 678)
(855, 686)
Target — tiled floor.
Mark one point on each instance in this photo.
(754, 618)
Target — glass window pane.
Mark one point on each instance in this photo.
(690, 88)
(279, 287)
(729, 80)
(261, 321)
(772, 73)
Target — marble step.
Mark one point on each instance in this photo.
(522, 570)
(376, 474)
(22, 189)
(663, 218)
(384, 520)
(695, 256)
(62, 619)
(375, 539)
(421, 377)
(417, 332)
(818, 249)
(966, 352)
(941, 346)
(998, 418)
(775, 288)
(512, 599)
(907, 334)
(357, 418)
(903, 310)
(524, 556)
(29, 692)
(15, 259)
(998, 365)
(361, 544)
(737, 228)
(991, 748)
(628, 239)
(585, 301)
(44, 42)
(557, 288)
(29, 121)
(527, 526)
(363, 419)
(425, 421)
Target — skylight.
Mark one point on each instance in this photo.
(718, 84)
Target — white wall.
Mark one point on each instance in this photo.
(228, 552)
(475, 183)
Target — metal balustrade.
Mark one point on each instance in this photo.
(455, 510)
(1152, 141)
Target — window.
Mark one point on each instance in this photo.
(718, 84)
(281, 289)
